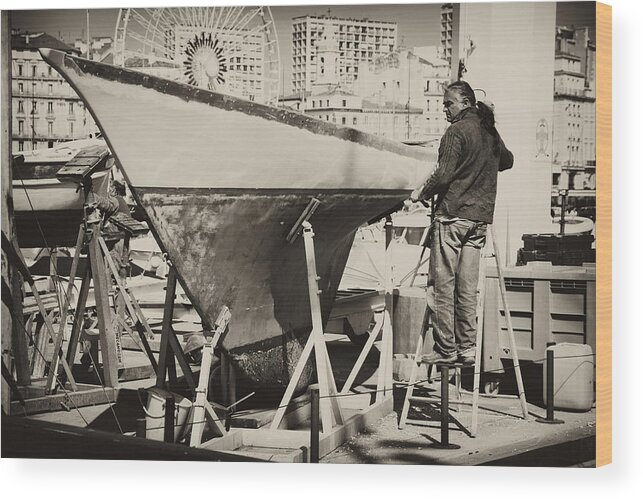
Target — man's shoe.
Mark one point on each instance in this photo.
(438, 358)
(468, 356)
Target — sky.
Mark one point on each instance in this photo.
(418, 24)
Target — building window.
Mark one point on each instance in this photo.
(71, 108)
(327, 103)
(50, 128)
(313, 103)
(51, 89)
(19, 69)
(21, 88)
(71, 129)
(50, 107)
(21, 127)
(343, 120)
(21, 107)
(49, 71)
(343, 102)
(34, 107)
(21, 145)
(33, 71)
(354, 120)
(33, 89)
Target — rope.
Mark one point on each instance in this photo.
(342, 395)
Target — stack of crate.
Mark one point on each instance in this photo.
(559, 249)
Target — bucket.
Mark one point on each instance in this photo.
(573, 377)
(155, 413)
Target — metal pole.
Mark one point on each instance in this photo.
(563, 209)
(550, 389)
(141, 428)
(444, 405)
(314, 424)
(444, 411)
(168, 434)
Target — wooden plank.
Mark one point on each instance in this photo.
(321, 356)
(512, 340)
(6, 212)
(77, 325)
(604, 234)
(107, 337)
(164, 348)
(354, 425)
(58, 340)
(348, 384)
(63, 401)
(182, 360)
(290, 389)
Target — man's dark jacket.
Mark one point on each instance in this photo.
(466, 178)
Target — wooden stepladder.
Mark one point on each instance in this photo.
(409, 398)
(329, 407)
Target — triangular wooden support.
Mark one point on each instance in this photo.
(383, 325)
(170, 347)
(328, 404)
(201, 404)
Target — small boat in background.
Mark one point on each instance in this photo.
(47, 210)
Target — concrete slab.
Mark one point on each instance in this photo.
(502, 436)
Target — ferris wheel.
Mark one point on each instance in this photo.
(232, 50)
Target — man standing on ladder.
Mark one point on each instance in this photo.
(465, 181)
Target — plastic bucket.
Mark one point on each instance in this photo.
(573, 377)
(155, 413)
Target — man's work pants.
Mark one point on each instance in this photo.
(452, 284)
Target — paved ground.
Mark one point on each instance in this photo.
(503, 437)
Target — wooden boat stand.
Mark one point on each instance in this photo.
(336, 426)
(41, 394)
(445, 368)
(103, 272)
(31, 392)
(170, 352)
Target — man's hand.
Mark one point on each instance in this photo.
(416, 194)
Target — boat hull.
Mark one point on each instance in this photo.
(222, 181)
(231, 245)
